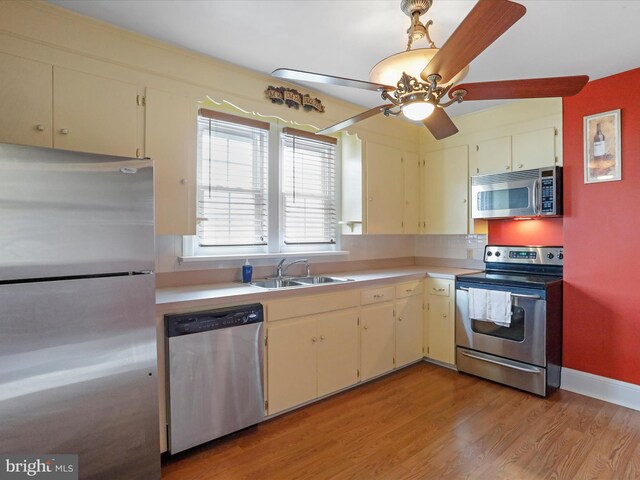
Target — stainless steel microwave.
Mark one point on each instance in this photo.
(525, 193)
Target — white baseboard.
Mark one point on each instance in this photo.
(602, 388)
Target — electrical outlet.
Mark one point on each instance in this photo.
(470, 253)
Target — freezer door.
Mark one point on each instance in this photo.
(68, 213)
(78, 374)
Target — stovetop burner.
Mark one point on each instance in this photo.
(516, 265)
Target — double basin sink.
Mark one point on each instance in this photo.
(289, 282)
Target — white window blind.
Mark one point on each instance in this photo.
(308, 187)
(232, 180)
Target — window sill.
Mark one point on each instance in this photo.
(267, 256)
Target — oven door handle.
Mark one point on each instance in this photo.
(518, 295)
(515, 367)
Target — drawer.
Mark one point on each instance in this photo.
(297, 306)
(377, 295)
(439, 286)
(409, 289)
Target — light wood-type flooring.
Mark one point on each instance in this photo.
(428, 422)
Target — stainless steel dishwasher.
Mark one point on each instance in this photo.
(215, 365)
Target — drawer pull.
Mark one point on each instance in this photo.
(40, 127)
(378, 295)
(438, 289)
(409, 290)
(64, 131)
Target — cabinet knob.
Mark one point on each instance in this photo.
(322, 337)
(444, 315)
(64, 131)
(399, 319)
(40, 127)
(366, 327)
(183, 181)
(508, 167)
(371, 199)
(520, 165)
(409, 290)
(314, 339)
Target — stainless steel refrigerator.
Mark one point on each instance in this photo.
(77, 300)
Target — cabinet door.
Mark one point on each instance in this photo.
(170, 140)
(411, 207)
(26, 100)
(338, 352)
(384, 189)
(291, 364)
(441, 343)
(491, 156)
(446, 191)
(534, 149)
(409, 330)
(94, 114)
(377, 343)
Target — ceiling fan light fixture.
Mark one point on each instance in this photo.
(417, 110)
(389, 70)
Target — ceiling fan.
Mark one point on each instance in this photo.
(424, 77)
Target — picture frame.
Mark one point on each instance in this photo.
(602, 152)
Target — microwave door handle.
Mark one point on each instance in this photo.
(536, 197)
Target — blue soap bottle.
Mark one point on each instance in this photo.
(247, 272)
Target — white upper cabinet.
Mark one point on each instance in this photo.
(94, 114)
(26, 101)
(534, 149)
(445, 191)
(170, 141)
(384, 187)
(55, 107)
(520, 151)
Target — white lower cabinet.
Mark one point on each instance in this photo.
(377, 339)
(311, 357)
(409, 324)
(439, 328)
(320, 344)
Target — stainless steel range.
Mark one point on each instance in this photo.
(509, 318)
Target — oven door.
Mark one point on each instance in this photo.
(523, 340)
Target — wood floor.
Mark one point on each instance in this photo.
(427, 422)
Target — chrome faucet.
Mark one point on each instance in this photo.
(281, 268)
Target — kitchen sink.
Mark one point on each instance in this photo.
(289, 282)
(272, 283)
(321, 279)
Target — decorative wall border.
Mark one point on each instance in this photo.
(602, 388)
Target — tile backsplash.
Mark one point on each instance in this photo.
(360, 247)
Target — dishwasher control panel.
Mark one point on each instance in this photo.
(187, 323)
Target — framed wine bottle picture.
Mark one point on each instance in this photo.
(602, 153)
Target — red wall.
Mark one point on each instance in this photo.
(546, 231)
(600, 231)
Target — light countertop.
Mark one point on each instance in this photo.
(175, 299)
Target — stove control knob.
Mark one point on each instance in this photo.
(560, 256)
(497, 254)
(550, 256)
(489, 253)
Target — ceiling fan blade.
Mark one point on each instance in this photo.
(301, 76)
(358, 118)
(529, 88)
(486, 22)
(440, 125)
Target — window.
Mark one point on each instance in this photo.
(308, 188)
(262, 189)
(232, 180)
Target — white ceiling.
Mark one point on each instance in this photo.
(347, 37)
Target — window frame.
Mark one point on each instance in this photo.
(275, 246)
